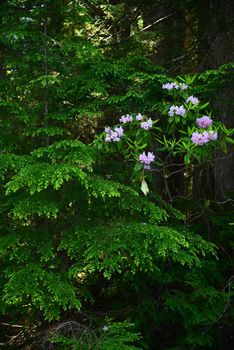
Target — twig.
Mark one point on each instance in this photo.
(134, 34)
(175, 172)
(155, 22)
(229, 283)
(11, 325)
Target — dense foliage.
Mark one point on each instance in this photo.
(110, 238)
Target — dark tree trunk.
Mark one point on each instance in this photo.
(218, 21)
(170, 32)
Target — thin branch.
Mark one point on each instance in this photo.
(226, 201)
(140, 31)
(11, 325)
(157, 21)
(175, 172)
(228, 285)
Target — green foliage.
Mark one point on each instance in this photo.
(78, 238)
(118, 335)
(32, 277)
(133, 247)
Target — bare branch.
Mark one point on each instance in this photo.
(134, 34)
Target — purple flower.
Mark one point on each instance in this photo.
(114, 135)
(204, 122)
(147, 125)
(205, 137)
(146, 159)
(119, 131)
(108, 138)
(200, 139)
(139, 116)
(194, 100)
(213, 135)
(170, 86)
(176, 110)
(196, 138)
(125, 119)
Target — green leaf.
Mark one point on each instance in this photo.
(187, 159)
(137, 167)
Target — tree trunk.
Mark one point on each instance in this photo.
(170, 41)
(219, 23)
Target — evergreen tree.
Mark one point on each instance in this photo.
(77, 239)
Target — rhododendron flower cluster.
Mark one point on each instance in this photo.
(147, 125)
(194, 100)
(204, 137)
(200, 138)
(170, 86)
(204, 122)
(125, 119)
(114, 135)
(117, 133)
(176, 110)
(146, 159)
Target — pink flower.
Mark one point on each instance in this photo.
(205, 137)
(204, 122)
(200, 139)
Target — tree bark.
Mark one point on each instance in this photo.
(219, 23)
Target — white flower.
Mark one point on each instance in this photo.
(183, 86)
(176, 110)
(170, 86)
(125, 119)
(194, 100)
(139, 116)
(147, 125)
